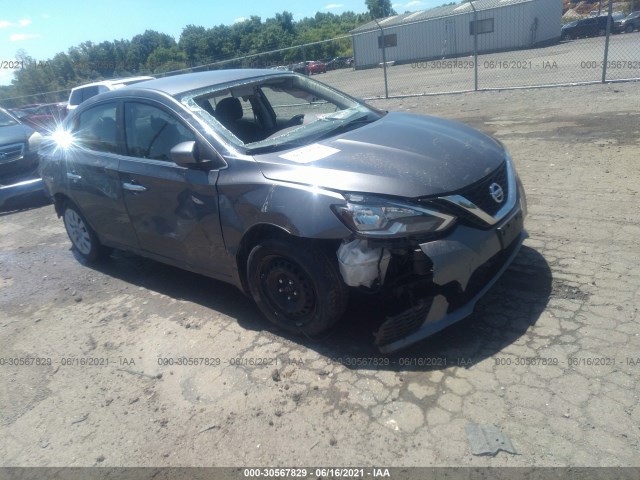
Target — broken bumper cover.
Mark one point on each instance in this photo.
(472, 260)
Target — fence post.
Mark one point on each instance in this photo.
(384, 60)
(606, 43)
(304, 60)
(475, 46)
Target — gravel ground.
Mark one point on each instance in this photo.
(550, 357)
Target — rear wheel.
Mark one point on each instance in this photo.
(297, 287)
(82, 236)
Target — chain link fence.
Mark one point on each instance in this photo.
(527, 54)
(448, 52)
(482, 45)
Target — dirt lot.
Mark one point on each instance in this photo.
(551, 357)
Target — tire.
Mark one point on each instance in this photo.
(83, 238)
(628, 28)
(297, 287)
(602, 31)
(566, 36)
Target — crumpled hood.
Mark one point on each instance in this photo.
(402, 154)
(15, 134)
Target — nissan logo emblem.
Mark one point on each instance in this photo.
(496, 192)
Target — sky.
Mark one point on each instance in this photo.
(43, 28)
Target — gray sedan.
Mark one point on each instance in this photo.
(294, 192)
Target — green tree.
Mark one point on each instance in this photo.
(164, 59)
(193, 43)
(380, 8)
(142, 46)
(244, 43)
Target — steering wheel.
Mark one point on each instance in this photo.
(295, 120)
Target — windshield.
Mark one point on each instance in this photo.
(6, 120)
(277, 112)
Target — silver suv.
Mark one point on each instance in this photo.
(85, 92)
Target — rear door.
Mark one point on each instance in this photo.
(92, 174)
(174, 209)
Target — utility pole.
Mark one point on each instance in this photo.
(384, 59)
(475, 46)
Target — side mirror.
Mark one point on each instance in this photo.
(185, 153)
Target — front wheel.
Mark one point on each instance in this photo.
(628, 29)
(297, 287)
(82, 236)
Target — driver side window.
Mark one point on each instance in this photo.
(151, 133)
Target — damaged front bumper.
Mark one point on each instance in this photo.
(465, 265)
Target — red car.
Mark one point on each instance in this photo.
(316, 67)
(45, 118)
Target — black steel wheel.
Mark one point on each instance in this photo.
(297, 287)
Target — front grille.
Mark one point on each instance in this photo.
(12, 152)
(404, 324)
(480, 193)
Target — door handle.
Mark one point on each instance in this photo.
(73, 176)
(132, 187)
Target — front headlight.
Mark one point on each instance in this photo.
(34, 142)
(376, 217)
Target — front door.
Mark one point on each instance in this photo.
(174, 209)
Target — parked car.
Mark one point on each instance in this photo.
(45, 118)
(295, 193)
(340, 62)
(587, 27)
(630, 23)
(24, 110)
(316, 67)
(18, 158)
(300, 67)
(85, 92)
(618, 18)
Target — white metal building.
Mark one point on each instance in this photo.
(447, 32)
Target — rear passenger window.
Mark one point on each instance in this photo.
(89, 92)
(151, 132)
(96, 128)
(76, 97)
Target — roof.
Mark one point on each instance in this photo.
(433, 13)
(113, 81)
(177, 84)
